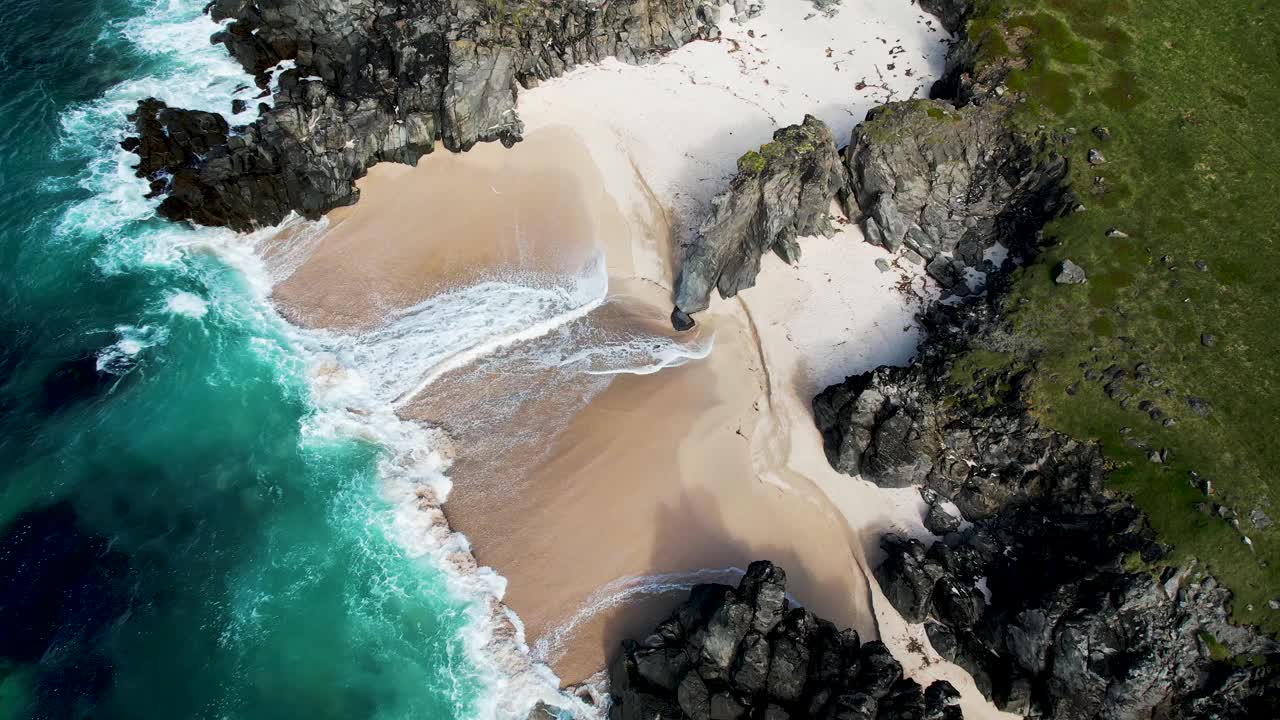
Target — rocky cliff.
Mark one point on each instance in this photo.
(745, 652)
(1050, 590)
(1052, 596)
(951, 182)
(780, 192)
(366, 81)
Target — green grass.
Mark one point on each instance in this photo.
(751, 163)
(1190, 91)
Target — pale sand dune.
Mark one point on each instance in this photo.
(583, 490)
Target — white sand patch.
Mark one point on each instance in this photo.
(669, 134)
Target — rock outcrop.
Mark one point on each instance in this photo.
(1054, 598)
(62, 591)
(1072, 626)
(363, 81)
(948, 183)
(731, 653)
(951, 13)
(781, 192)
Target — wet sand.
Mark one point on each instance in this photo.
(446, 223)
(654, 477)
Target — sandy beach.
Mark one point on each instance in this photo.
(598, 485)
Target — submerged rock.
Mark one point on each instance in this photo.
(746, 653)
(74, 381)
(61, 590)
(780, 193)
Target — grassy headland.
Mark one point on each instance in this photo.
(1180, 237)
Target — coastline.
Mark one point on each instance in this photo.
(744, 462)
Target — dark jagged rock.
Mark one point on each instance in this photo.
(373, 82)
(744, 653)
(680, 320)
(950, 182)
(907, 578)
(940, 522)
(779, 193)
(1067, 631)
(951, 13)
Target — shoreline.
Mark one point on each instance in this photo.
(644, 201)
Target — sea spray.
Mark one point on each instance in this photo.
(411, 468)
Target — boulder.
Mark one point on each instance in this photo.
(781, 192)
(948, 182)
(1069, 273)
(939, 521)
(907, 578)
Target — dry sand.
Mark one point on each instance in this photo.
(602, 497)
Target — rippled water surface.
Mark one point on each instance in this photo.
(185, 532)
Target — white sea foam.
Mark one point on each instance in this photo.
(352, 379)
(118, 357)
(421, 343)
(551, 646)
(188, 304)
(356, 381)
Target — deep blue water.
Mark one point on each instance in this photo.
(180, 535)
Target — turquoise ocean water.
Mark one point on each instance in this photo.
(189, 535)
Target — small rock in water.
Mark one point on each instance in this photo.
(882, 264)
(1208, 340)
(1116, 233)
(1069, 273)
(1096, 158)
(1202, 266)
(680, 320)
(1102, 133)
